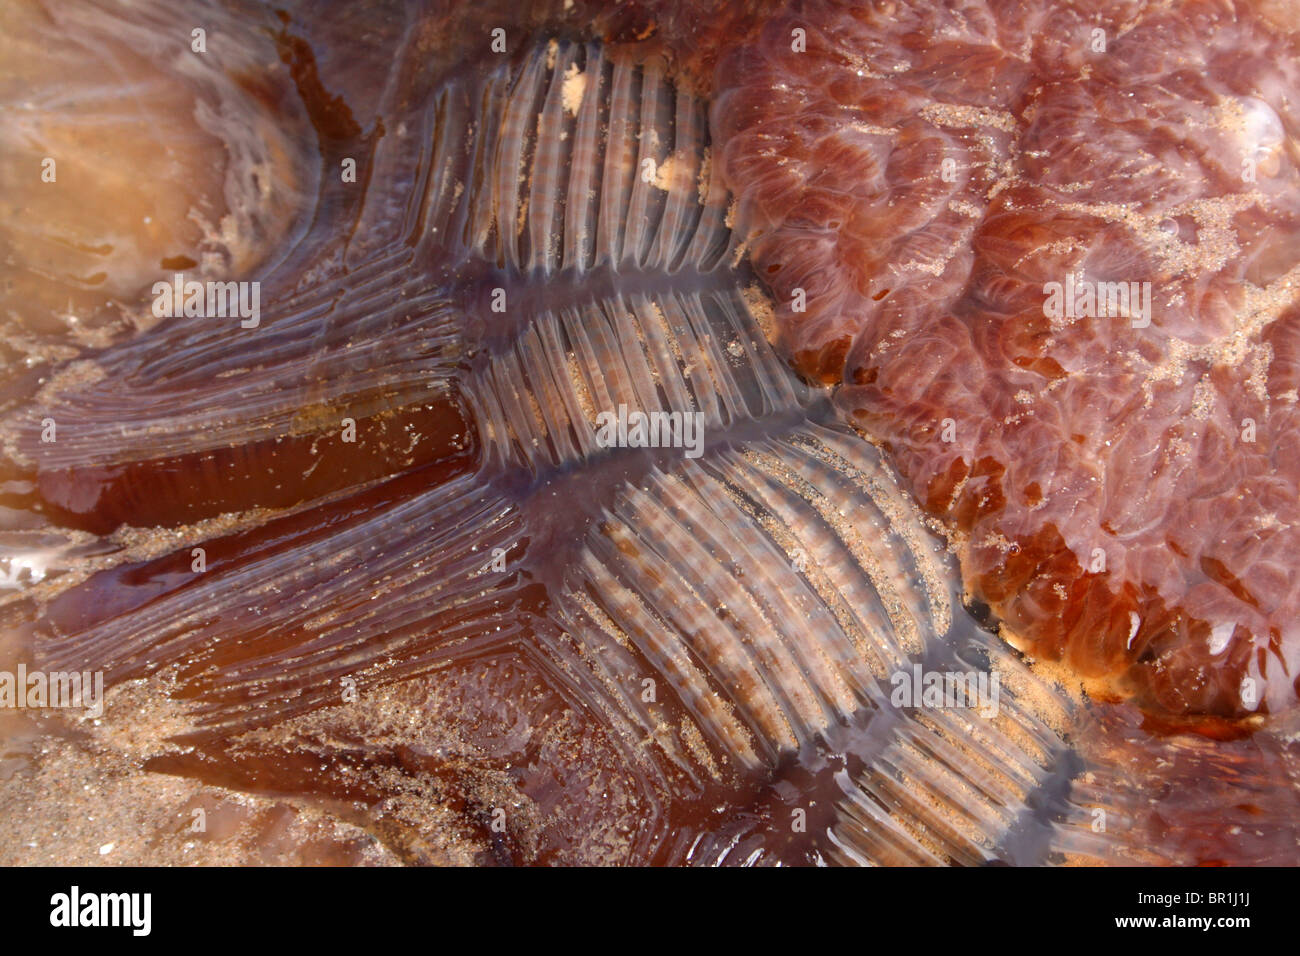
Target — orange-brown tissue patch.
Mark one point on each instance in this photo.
(1051, 254)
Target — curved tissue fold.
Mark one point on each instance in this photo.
(714, 635)
(1051, 254)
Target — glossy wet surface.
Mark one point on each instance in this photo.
(435, 618)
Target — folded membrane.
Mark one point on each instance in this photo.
(768, 590)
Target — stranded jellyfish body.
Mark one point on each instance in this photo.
(1052, 255)
(807, 434)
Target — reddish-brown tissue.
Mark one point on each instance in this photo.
(475, 634)
(1122, 482)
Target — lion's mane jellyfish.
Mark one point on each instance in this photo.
(1052, 255)
(670, 433)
